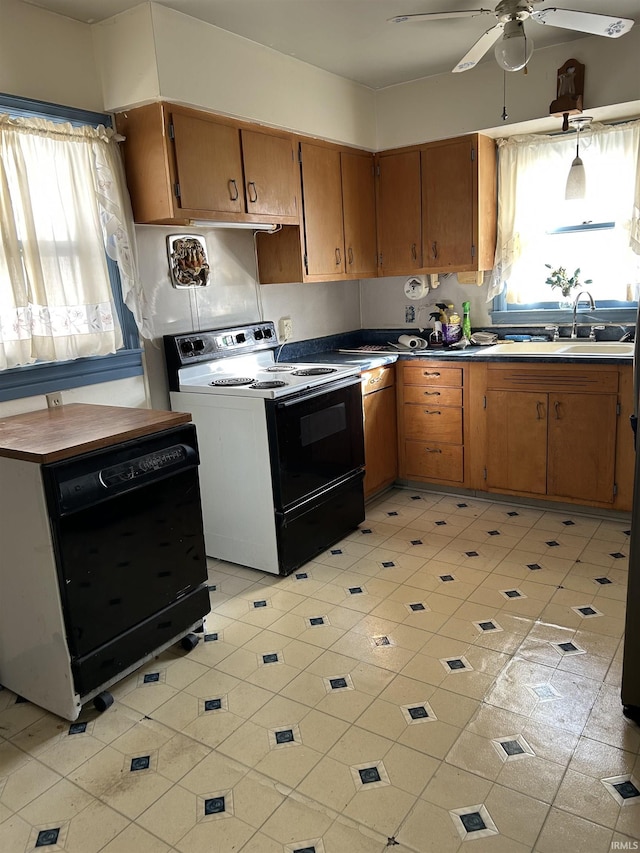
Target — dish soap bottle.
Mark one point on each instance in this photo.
(466, 321)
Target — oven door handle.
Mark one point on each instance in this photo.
(319, 392)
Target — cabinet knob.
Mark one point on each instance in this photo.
(540, 410)
(414, 254)
(428, 412)
(432, 450)
(350, 255)
(426, 373)
(434, 249)
(233, 190)
(252, 192)
(431, 393)
(375, 379)
(338, 258)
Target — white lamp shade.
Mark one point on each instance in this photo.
(514, 50)
(576, 181)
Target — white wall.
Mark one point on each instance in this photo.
(47, 57)
(452, 104)
(203, 66)
(384, 301)
(232, 296)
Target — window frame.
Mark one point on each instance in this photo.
(534, 313)
(31, 380)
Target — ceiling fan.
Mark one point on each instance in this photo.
(515, 49)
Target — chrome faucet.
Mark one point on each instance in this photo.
(592, 307)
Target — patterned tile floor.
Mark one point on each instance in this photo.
(445, 678)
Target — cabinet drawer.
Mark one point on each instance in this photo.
(431, 422)
(432, 461)
(430, 375)
(438, 396)
(377, 379)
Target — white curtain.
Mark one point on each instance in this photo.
(532, 175)
(63, 205)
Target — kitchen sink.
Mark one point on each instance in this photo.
(609, 349)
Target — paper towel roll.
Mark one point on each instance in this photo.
(412, 342)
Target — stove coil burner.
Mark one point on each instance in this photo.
(280, 368)
(273, 383)
(314, 371)
(232, 381)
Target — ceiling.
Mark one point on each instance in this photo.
(352, 38)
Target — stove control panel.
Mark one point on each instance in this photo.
(211, 344)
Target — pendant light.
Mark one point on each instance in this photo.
(577, 180)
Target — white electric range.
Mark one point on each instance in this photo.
(281, 445)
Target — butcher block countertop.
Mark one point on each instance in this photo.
(49, 435)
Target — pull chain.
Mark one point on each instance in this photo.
(505, 115)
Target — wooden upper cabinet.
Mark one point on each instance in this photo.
(185, 164)
(459, 204)
(359, 213)
(208, 164)
(269, 173)
(399, 214)
(322, 206)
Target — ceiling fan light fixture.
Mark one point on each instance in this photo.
(515, 48)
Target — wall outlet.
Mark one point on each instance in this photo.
(286, 329)
(409, 313)
(54, 399)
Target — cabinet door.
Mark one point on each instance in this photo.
(517, 441)
(380, 439)
(448, 206)
(399, 213)
(208, 164)
(359, 207)
(582, 446)
(322, 208)
(269, 174)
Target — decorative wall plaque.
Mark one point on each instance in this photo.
(188, 265)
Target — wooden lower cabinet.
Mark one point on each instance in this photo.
(380, 431)
(556, 439)
(431, 422)
(517, 441)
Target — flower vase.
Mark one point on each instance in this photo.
(565, 303)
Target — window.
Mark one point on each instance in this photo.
(536, 226)
(67, 252)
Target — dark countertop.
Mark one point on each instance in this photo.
(367, 361)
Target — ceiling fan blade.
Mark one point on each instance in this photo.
(438, 16)
(584, 22)
(484, 43)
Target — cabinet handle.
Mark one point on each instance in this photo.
(426, 373)
(431, 393)
(427, 412)
(556, 407)
(374, 380)
(432, 450)
(434, 249)
(414, 254)
(350, 255)
(233, 190)
(252, 191)
(338, 258)
(540, 410)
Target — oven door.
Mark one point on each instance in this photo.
(315, 438)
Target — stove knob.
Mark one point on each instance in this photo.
(198, 345)
(267, 333)
(258, 335)
(240, 339)
(186, 347)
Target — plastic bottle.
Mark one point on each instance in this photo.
(466, 321)
(435, 338)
